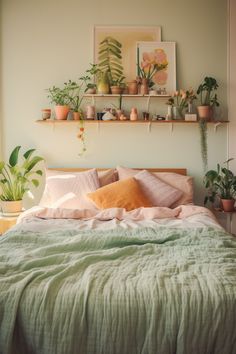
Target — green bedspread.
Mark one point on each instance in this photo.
(147, 290)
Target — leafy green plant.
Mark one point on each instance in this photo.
(75, 96)
(91, 76)
(16, 177)
(58, 96)
(110, 59)
(220, 183)
(206, 91)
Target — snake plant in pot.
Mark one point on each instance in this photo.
(221, 185)
(16, 177)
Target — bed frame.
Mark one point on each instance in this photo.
(180, 171)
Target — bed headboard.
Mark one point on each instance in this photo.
(180, 171)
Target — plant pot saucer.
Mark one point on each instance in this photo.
(11, 214)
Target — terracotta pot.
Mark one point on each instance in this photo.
(204, 112)
(14, 206)
(133, 87)
(76, 115)
(91, 91)
(116, 90)
(228, 204)
(61, 112)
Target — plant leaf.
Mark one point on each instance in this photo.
(14, 156)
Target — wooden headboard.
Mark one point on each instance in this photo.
(180, 171)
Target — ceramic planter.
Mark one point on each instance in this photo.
(61, 112)
(204, 112)
(133, 87)
(9, 207)
(76, 115)
(228, 204)
(116, 90)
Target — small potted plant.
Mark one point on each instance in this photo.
(117, 85)
(16, 177)
(221, 183)
(90, 78)
(208, 97)
(75, 97)
(59, 97)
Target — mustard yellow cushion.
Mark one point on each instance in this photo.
(122, 194)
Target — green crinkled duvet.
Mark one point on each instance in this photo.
(147, 290)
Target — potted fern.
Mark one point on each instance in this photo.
(16, 177)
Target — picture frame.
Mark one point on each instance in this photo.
(158, 53)
(128, 36)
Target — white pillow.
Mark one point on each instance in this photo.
(158, 192)
(69, 189)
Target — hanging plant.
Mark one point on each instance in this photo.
(81, 137)
(203, 142)
(110, 60)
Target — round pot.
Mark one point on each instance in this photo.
(228, 204)
(116, 90)
(204, 112)
(14, 206)
(61, 112)
(133, 87)
(91, 91)
(76, 115)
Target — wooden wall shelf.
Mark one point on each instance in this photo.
(91, 121)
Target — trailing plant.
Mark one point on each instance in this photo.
(220, 183)
(203, 143)
(16, 176)
(110, 59)
(75, 96)
(206, 91)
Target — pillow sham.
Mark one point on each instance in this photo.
(125, 194)
(69, 189)
(49, 198)
(158, 192)
(180, 182)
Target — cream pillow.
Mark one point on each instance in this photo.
(158, 192)
(69, 189)
(180, 182)
(125, 194)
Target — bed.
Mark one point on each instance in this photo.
(151, 280)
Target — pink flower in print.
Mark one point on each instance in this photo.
(160, 56)
(160, 77)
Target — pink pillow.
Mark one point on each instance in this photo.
(159, 193)
(107, 176)
(183, 183)
(69, 189)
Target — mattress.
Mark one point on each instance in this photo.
(118, 282)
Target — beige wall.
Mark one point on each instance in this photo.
(47, 42)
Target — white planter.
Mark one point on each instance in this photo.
(8, 207)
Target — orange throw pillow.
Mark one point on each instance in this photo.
(122, 194)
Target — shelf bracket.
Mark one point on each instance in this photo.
(98, 126)
(149, 127)
(171, 127)
(148, 104)
(216, 125)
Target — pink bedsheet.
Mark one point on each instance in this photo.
(181, 212)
